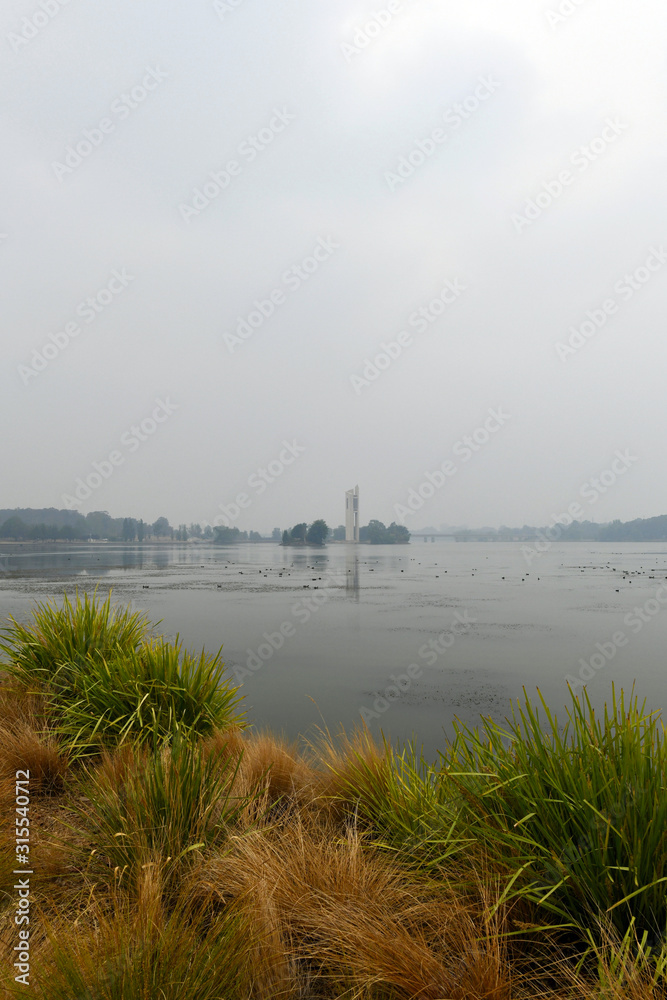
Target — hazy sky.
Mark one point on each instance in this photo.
(466, 183)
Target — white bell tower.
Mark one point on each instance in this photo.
(352, 515)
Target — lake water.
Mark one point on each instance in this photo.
(326, 636)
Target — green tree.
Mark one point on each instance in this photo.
(14, 528)
(299, 532)
(339, 533)
(228, 536)
(286, 537)
(377, 533)
(161, 527)
(317, 532)
(398, 534)
(129, 532)
(100, 524)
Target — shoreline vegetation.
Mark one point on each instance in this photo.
(176, 852)
(49, 524)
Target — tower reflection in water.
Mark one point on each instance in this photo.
(352, 573)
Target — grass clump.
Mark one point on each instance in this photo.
(71, 634)
(577, 815)
(153, 808)
(140, 954)
(156, 691)
(104, 678)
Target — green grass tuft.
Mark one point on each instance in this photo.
(577, 814)
(156, 691)
(159, 807)
(106, 680)
(71, 634)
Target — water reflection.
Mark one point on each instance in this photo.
(352, 572)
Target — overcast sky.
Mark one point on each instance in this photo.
(453, 189)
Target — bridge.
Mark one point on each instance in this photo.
(430, 536)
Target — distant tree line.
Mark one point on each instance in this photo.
(51, 524)
(375, 532)
(649, 529)
(230, 536)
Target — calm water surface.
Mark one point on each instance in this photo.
(354, 621)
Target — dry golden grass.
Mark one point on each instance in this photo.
(349, 766)
(26, 742)
(134, 951)
(20, 703)
(22, 748)
(327, 904)
(265, 762)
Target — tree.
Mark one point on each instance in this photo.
(285, 537)
(141, 529)
(129, 532)
(275, 535)
(195, 530)
(377, 533)
(398, 534)
(161, 527)
(100, 524)
(14, 528)
(299, 532)
(317, 533)
(182, 533)
(255, 536)
(339, 533)
(228, 536)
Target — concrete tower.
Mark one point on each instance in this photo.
(352, 515)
